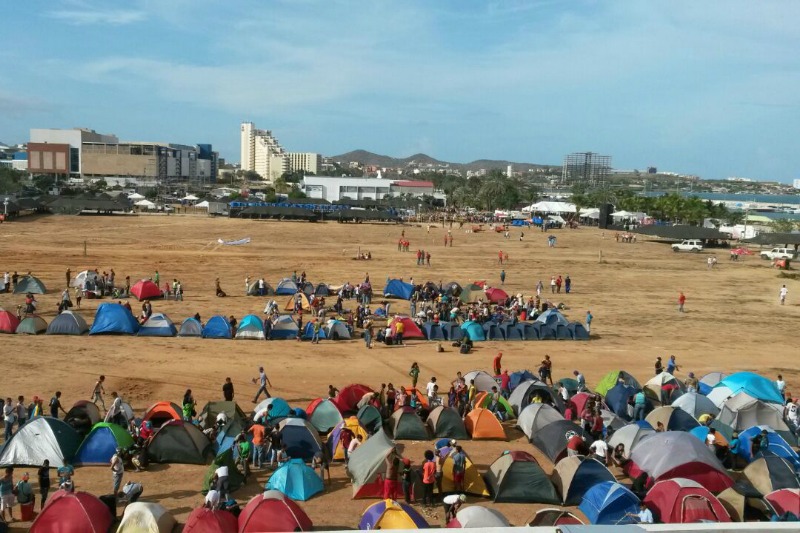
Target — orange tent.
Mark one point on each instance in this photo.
(305, 304)
(160, 413)
(482, 424)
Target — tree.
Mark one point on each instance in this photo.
(296, 193)
(251, 175)
(44, 182)
(783, 225)
(151, 194)
(281, 187)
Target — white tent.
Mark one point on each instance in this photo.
(135, 196)
(629, 215)
(190, 198)
(147, 204)
(145, 516)
(202, 205)
(590, 212)
(550, 207)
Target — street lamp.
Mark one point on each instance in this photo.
(5, 206)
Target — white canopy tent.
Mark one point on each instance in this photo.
(135, 196)
(550, 207)
(190, 198)
(203, 204)
(589, 212)
(629, 215)
(147, 204)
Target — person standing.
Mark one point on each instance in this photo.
(430, 390)
(399, 329)
(502, 277)
(659, 366)
(99, 391)
(414, 373)
(639, 405)
(589, 318)
(552, 284)
(55, 405)
(459, 468)
(7, 494)
(580, 379)
(316, 327)
(539, 288)
(500, 256)
(9, 418)
(156, 278)
(567, 284)
(672, 365)
(408, 480)
(784, 291)
(497, 364)
(44, 482)
(428, 479)
(117, 469)
(227, 390)
(369, 331)
(781, 386)
(6, 282)
(188, 406)
(681, 302)
(546, 370)
(68, 275)
(263, 381)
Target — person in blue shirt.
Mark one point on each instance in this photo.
(672, 366)
(589, 318)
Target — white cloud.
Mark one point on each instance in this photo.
(90, 16)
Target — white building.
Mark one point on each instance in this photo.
(262, 153)
(308, 162)
(333, 188)
(796, 184)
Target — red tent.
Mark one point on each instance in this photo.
(161, 412)
(348, 397)
(784, 501)
(683, 501)
(496, 295)
(273, 511)
(204, 520)
(146, 290)
(73, 512)
(8, 322)
(411, 330)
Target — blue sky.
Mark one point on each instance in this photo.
(696, 87)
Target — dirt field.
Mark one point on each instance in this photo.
(732, 322)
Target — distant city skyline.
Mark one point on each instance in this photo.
(696, 88)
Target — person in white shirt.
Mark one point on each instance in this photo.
(711, 439)
(644, 516)
(600, 449)
(781, 385)
(430, 389)
(212, 499)
(355, 443)
(783, 293)
(223, 486)
(562, 390)
(115, 411)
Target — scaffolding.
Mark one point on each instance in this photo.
(586, 167)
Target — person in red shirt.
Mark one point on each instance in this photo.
(428, 478)
(500, 256)
(576, 446)
(505, 381)
(681, 302)
(496, 364)
(345, 437)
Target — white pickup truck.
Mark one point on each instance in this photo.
(779, 253)
(688, 245)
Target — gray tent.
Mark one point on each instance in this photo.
(367, 465)
(537, 415)
(407, 425)
(516, 477)
(523, 395)
(68, 323)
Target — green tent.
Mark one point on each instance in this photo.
(516, 477)
(30, 284)
(370, 418)
(235, 478)
(612, 378)
(325, 415)
(32, 325)
(407, 425)
(445, 422)
(487, 401)
(570, 384)
(471, 293)
(208, 416)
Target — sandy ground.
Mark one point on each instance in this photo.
(732, 322)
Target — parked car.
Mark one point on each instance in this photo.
(688, 245)
(779, 253)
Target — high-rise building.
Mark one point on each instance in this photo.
(586, 167)
(262, 153)
(308, 162)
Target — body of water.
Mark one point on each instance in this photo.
(742, 201)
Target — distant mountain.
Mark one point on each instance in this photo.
(423, 160)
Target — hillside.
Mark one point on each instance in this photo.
(365, 157)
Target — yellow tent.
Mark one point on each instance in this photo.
(353, 425)
(473, 481)
(306, 305)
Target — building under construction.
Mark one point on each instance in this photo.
(586, 167)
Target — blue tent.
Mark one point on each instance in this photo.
(301, 438)
(577, 481)
(228, 434)
(546, 333)
(158, 325)
(617, 399)
(191, 327)
(286, 286)
(433, 331)
(608, 503)
(562, 332)
(452, 331)
(552, 317)
(511, 332)
(112, 319)
(775, 444)
(284, 327)
(67, 323)
(308, 331)
(578, 331)
(474, 330)
(520, 376)
(217, 327)
(398, 289)
(100, 445)
(250, 327)
(756, 386)
(491, 331)
(280, 409)
(296, 480)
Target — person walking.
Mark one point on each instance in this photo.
(414, 373)
(589, 318)
(98, 392)
(502, 277)
(44, 482)
(681, 302)
(784, 291)
(55, 405)
(263, 381)
(117, 469)
(227, 390)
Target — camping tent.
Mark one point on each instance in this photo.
(300, 297)
(273, 511)
(334, 442)
(484, 399)
(630, 435)
(520, 376)
(672, 418)
(495, 295)
(30, 284)
(160, 413)
(191, 327)
(67, 323)
(552, 438)
(70, 512)
(366, 466)
(336, 330)
(370, 418)
(574, 475)
(445, 422)
(611, 379)
(398, 289)
(410, 331)
(516, 477)
(473, 330)
(473, 482)
(771, 472)
(286, 286)
(113, 318)
(322, 290)
(784, 501)
(756, 386)
(554, 517)
(609, 503)
(323, 414)
(146, 516)
(389, 514)
(476, 516)
(552, 317)
(250, 327)
(709, 381)
(742, 411)
(433, 331)
(483, 381)
(482, 424)
(695, 404)
(577, 402)
(178, 441)
(536, 415)
(775, 444)
(82, 416)
(283, 327)
(688, 458)
(8, 322)
(296, 480)
(663, 385)
(82, 277)
(254, 290)
(32, 325)
(39, 439)
(526, 392)
(683, 501)
(101, 444)
(407, 425)
(158, 325)
(228, 434)
(208, 415)
(145, 289)
(217, 327)
(235, 477)
(349, 396)
(204, 520)
(300, 437)
(617, 400)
